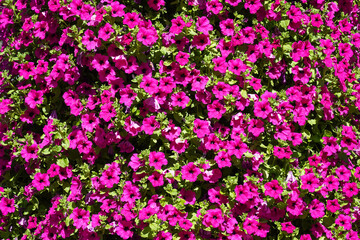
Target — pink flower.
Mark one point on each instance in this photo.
(41, 180)
(214, 6)
(316, 20)
(262, 109)
(156, 179)
(81, 218)
(130, 193)
(89, 122)
(190, 172)
(150, 85)
(105, 32)
(332, 183)
(7, 206)
(147, 36)
(177, 24)
(127, 96)
(295, 206)
(220, 64)
(201, 41)
(180, 99)
(110, 177)
(4, 105)
(30, 152)
(255, 83)
(203, 25)
(29, 115)
(317, 209)
(213, 217)
(345, 50)
(189, 196)
(233, 3)
(227, 27)
(182, 58)
(216, 110)
(157, 160)
(343, 173)
(273, 189)
(107, 112)
(90, 41)
(332, 205)
(201, 128)
(310, 182)
(256, 127)
(350, 189)
(344, 221)
(156, 4)
(117, 9)
(242, 193)
(131, 19)
(149, 125)
(100, 62)
(287, 227)
(301, 74)
(237, 66)
(223, 159)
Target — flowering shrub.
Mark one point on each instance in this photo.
(179, 120)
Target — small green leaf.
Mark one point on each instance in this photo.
(63, 162)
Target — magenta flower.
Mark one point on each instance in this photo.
(130, 193)
(100, 62)
(223, 159)
(343, 173)
(105, 32)
(201, 41)
(131, 19)
(107, 112)
(203, 25)
(190, 172)
(213, 217)
(149, 125)
(147, 36)
(90, 41)
(201, 128)
(182, 58)
(344, 221)
(81, 218)
(156, 179)
(177, 24)
(310, 182)
(227, 27)
(7, 206)
(317, 209)
(214, 6)
(157, 160)
(41, 180)
(350, 189)
(295, 206)
(256, 127)
(287, 227)
(216, 110)
(262, 109)
(273, 189)
(180, 99)
(33, 98)
(30, 152)
(156, 4)
(332, 205)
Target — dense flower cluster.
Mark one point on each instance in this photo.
(195, 119)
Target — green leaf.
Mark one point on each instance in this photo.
(57, 148)
(63, 162)
(248, 155)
